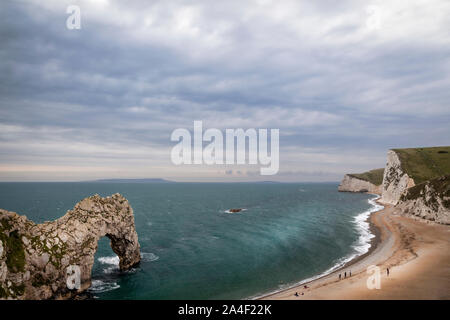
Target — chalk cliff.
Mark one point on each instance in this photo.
(369, 181)
(353, 184)
(429, 200)
(415, 180)
(395, 179)
(54, 260)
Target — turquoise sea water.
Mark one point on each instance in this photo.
(193, 249)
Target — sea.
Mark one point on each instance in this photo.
(193, 247)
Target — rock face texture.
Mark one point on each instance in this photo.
(395, 180)
(426, 196)
(429, 200)
(54, 260)
(353, 184)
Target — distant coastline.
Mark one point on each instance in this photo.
(145, 180)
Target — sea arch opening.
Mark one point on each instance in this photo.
(105, 270)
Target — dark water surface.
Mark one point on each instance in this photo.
(193, 249)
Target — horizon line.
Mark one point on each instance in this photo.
(162, 180)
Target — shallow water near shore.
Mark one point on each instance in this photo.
(193, 248)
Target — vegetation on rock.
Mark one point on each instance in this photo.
(431, 191)
(374, 176)
(422, 164)
(34, 258)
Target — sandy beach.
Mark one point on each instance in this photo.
(416, 252)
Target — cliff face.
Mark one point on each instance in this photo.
(54, 260)
(395, 180)
(429, 200)
(415, 180)
(354, 184)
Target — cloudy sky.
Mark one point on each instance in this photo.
(343, 82)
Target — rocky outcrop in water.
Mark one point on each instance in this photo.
(353, 184)
(54, 260)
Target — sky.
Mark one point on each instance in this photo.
(343, 82)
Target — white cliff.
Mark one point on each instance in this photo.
(353, 184)
(429, 200)
(395, 180)
(425, 196)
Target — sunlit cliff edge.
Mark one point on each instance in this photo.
(415, 180)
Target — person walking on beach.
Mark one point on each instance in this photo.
(345, 274)
(339, 276)
(387, 271)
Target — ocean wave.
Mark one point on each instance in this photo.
(113, 260)
(361, 247)
(99, 286)
(362, 225)
(148, 257)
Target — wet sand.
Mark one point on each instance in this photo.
(416, 252)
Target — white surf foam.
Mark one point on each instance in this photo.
(148, 257)
(99, 286)
(362, 225)
(113, 260)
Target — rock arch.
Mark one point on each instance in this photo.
(37, 260)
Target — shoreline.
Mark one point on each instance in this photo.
(373, 244)
(399, 243)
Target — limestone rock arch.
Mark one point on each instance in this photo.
(38, 261)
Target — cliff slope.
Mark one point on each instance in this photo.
(407, 167)
(429, 200)
(54, 260)
(369, 181)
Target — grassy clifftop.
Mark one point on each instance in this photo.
(424, 164)
(374, 176)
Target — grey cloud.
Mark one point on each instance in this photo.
(130, 76)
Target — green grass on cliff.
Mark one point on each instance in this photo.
(424, 164)
(439, 188)
(12, 244)
(374, 176)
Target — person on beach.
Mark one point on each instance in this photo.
(350, 274)
(387, 270)
(339, 276)
(296, 294)
(345, 274)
